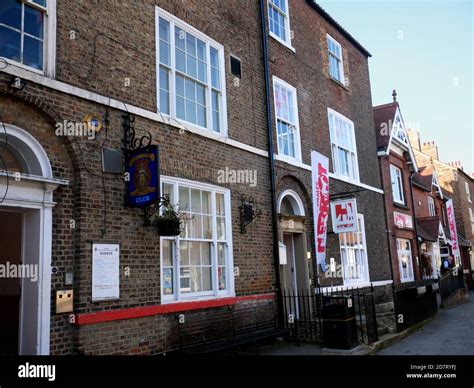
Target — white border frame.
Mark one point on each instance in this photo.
(412, 278)
(49, 41)
(36, 193)
(286, 85)
(287, 42)
(341, 62)
(394, 169)
(295, 196)
(366, 279)
(215, 294)
(336, 174)
(176, 22)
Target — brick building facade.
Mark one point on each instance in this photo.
(321, 101)
(191, 75)
(457, 185)
(107, 61)
(397, 166)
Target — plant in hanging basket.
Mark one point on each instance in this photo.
(168, 222)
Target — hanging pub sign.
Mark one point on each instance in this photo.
(142, 176)
(344, 215)
(320, 189)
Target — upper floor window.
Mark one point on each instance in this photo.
(286, 113)
(190, 74)
(343, 146)
(354, 253)
(279, 20)
(397, 184)
(197, 263)
(431, 207)
(23, 31)
(471, 218)
(468, 192)
(336, 68)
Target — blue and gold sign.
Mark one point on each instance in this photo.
(143, 176)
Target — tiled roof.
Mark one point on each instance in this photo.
(428, 228)
(424, 177)
(384, 114)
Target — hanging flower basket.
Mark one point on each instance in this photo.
(168, 223)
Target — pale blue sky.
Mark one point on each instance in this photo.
(424, 49)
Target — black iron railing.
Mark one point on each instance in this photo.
(304, 312)
(450, 282)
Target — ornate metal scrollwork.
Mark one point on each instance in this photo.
(248, 212)
(130, 139)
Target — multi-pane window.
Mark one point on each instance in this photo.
(468, 192)
(278, 19)
(336, 68)
(190, 74)
(343, 146)
(197, 263)
(354, 253)
(405, 261)
(286, 113)
(22, 31)
(397, 184)
(431, 207)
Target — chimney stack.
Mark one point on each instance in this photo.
(414, 138)
(431, 149)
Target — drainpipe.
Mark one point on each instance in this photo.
(276, 253)
(387, 230)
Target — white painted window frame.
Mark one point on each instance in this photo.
(287, 41)
(364, 260)
(471, 218)
(397, 184)
(468, 192)
(215, 293)
(411, 278)
(175, 22)
(335, 158)
(431, 207)
(341, 60)
(49, 40)
(286, 85)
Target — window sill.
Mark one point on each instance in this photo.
(344, 86)
(401, 206)
(11, 62)
(284, 43)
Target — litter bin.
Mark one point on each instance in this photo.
(339, 322)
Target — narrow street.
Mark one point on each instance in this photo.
(448, 334)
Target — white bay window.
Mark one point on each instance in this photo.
(190, 74)
(354, 254)
(198, 263)
(343, 146)
(405, 261)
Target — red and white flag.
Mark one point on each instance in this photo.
(320, 189)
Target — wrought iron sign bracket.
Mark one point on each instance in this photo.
(151, 210)
(248, 212)
(130, 139)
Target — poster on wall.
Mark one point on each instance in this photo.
(344, 215)
(452, 228)
(320, 190)
(403, 221)
(105, 272)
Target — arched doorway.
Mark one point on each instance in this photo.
(26, 187)
(294, 270)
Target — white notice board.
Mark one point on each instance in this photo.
(105, 272)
